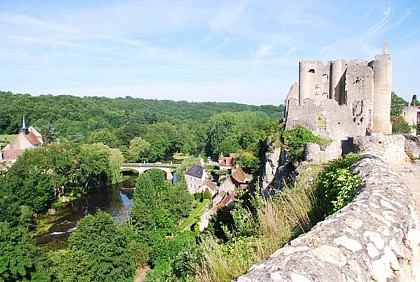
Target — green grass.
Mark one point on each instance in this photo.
(190, 220)
(44, 223)
(6, 139)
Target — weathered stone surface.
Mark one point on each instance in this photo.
(412, 146)
(348, 243)
(374, 238)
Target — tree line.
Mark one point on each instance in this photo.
(144, 130)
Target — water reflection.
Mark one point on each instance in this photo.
(116, 200)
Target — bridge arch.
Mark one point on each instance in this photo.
(143, 167)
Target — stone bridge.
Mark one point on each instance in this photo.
(142, 167)
(374, 238)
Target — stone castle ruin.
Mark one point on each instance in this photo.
(342, 98)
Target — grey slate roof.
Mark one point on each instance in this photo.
(195, 171)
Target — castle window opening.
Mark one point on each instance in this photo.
(324, 78)
(321, 123)
(312, 70)
(324, 96)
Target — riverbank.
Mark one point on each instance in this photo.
(52, 230)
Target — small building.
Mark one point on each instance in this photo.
(239, 178)
(208, 185)
(194, 177)
(226, 162)
(28, 138)
(227, 185)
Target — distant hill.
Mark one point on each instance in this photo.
(69, 114)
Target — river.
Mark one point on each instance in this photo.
(116, 200)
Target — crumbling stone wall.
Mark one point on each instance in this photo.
(342, 98)
(410, 116)
(374, 238)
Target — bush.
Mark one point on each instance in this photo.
(295, 140)
(207, 194)
(399, 125)
(338, 184)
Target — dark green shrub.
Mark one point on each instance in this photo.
(338, 184)
(207, 194)
(399, 125)
(295, 140)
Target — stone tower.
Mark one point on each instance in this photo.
(382, 75)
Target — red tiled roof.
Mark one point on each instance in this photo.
(226, 161)
(32, 138)
(239, 175)
(11, 154)
(229, 197)
(207, 182)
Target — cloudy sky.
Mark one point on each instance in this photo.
(239, 51)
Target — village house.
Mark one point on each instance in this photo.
(239, 178)
(226, 162)
(208, 185)
(28, 138)
(194, 177)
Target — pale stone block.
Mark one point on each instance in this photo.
(372, 251)
(375, 238)
(330, 254)
(299, 278)
(349, 244)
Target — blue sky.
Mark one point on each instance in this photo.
(238, 51)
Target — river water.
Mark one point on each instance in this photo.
(116, 200)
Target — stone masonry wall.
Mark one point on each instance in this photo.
(374, 238)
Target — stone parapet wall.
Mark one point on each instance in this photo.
(374, 238)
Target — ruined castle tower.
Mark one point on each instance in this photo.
(382, 73)
(342, 99)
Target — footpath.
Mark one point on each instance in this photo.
(410, 174)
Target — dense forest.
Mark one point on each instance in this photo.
(144, 130)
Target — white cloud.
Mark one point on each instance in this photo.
(228, 14)
(385, 19)
(264, 51)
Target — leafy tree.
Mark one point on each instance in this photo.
(338, 184)
(104, 136)
(137, 151)
(399, 125)
(223, 132)
(48, 134)
(247, 159)
(397, 104)
(100, 250)
(20, 259)
(94, 163)
(115, 160)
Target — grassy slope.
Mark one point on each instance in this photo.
(6, 139)
(190, 220)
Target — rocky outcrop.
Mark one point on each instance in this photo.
(271, 165)
(275, 170)
(374, 238)
(412, 146)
